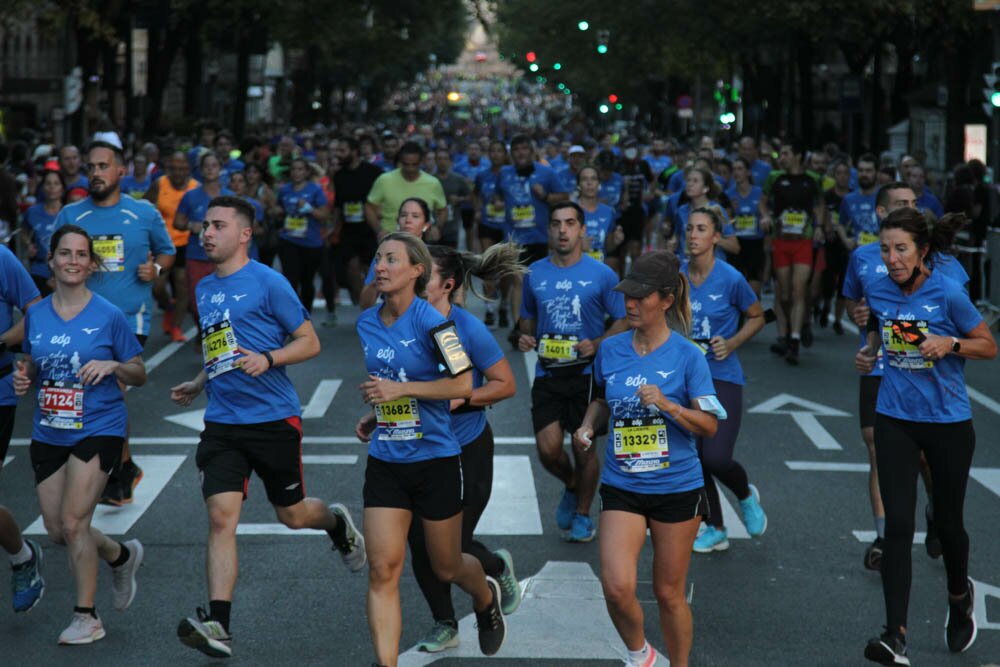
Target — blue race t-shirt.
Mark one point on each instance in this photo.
(124, 235)
(600, 223)
(716, 307)
(569, 302)
(857, 216)
(68, 411)
(864, 268)
(746, 214)
(914, 388)
(17, 289)
(41, 224)
(484, 351)
(408, 429)
(647, 451)
(611, 190)
(928, 202)
(194, 206)
(135, 188)
(527, 215)
(256, 309)
(759, 171)
(492, 215)
(302, 229)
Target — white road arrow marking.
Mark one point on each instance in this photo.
(193, 419)
(513, 506)
(539, 628)
(321, 399)
(984, 590)
(804, 412)
(530, 359)
(868, 536)
(157, 471)
(988, 477)
(6, 461)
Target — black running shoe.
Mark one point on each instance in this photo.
(113, 494)
(873, 555)
(807, 335)
(780, 348)
(888, 649)
(932, 542)
(838, 328)
(792, 356)
(960, 625)
(504, 321)
(490, 622)
(490, 319)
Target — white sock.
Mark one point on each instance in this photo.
(22, 556)
(636, 657)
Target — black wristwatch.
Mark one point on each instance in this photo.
(955, 345)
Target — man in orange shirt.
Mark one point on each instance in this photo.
(165, 193)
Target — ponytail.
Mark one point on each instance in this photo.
(499, 261)
(943, 231)
(679, 315)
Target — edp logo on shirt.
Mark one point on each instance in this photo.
(386, 354)
(636, 381)
(62, 340)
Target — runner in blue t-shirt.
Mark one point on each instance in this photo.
(927, 327)
(131, 239)
(253, 418)
(567, 297)
(720, 298)
(190, 216)
(701, 190)
(491, 228)
(39, 223)
(652, 388)
(604, 234)
(858, 219)
(300, 246)
(745, 198)
(80, 350)
(16, 291)
(416, 366)
(492, 382)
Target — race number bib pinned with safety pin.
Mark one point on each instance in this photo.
(745, 224)
(398, 419)
(111, 249)
(558, 348)
(641, 444)
(451, 353)
(61, 404)
(901, 340)
(219, 349)
(793, 223)
(354, 212)
(596, 254)
(296, 225)
(523, 216)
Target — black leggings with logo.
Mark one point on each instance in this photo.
(299, 264)
(948, 449)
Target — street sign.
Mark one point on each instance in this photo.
(140, 61)
(685, 102)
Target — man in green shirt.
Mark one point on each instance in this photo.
(394, 187)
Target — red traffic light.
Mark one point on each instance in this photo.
(530, 56)
(612, 98)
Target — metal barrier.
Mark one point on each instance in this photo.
(977, 259)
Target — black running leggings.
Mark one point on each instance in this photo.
(948, 449)
(477, 484)
(299, 264)
(717, 453)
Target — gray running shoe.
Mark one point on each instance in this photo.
(123, 578)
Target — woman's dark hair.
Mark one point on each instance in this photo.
(708, 179)
(938, 238)
(265, 175)
(74, 229)
(205, 156)
(499, 261)
(62, 179)
(423, 207)
(584, 167)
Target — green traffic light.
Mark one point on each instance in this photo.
(557, 66)
(618, 107)
(583, 26)
(995, 99)
(602, 48)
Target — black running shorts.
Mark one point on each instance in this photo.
(47, 459)
(430, 489)
(662, 507)
(228, 453)
(562, 400)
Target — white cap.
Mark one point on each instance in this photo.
(576, 148)
(109, 137)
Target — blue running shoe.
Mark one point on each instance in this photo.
(566, 510)
(711, 539)
(752, 513)
(26, 580)
(583, 529)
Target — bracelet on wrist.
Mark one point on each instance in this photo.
(270, 359)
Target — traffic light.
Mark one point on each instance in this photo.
(992, 90)
(530, 56)
(583, 26)
(533, 67)
(557, 66)
(603, 36)
(603, 108)
(612, 98)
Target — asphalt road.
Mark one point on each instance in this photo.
(796, 596)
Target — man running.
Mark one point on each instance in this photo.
(566, 299)
(132, 241)
(352, 183)
(253, 418)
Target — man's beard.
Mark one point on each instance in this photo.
(102, 194)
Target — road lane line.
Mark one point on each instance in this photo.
(868, 536)
(307, 440)
(983, 400)
(168, 350)
(321, 399)
(530, 359)
(822, 466)
(513, 506)
(329, 459)
(6, 461)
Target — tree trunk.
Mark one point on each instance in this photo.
(242, 81)
(805, 62)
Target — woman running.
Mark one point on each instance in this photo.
(604, 234)
(414, 217)
(39, 222)
(78, 347)
(306, 210)
(492, 382)
(720, 298)
(927, 327)
(655, 387)
(416, 366)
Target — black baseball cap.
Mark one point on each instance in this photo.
(651, 272)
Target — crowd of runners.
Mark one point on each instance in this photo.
(635, 267)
